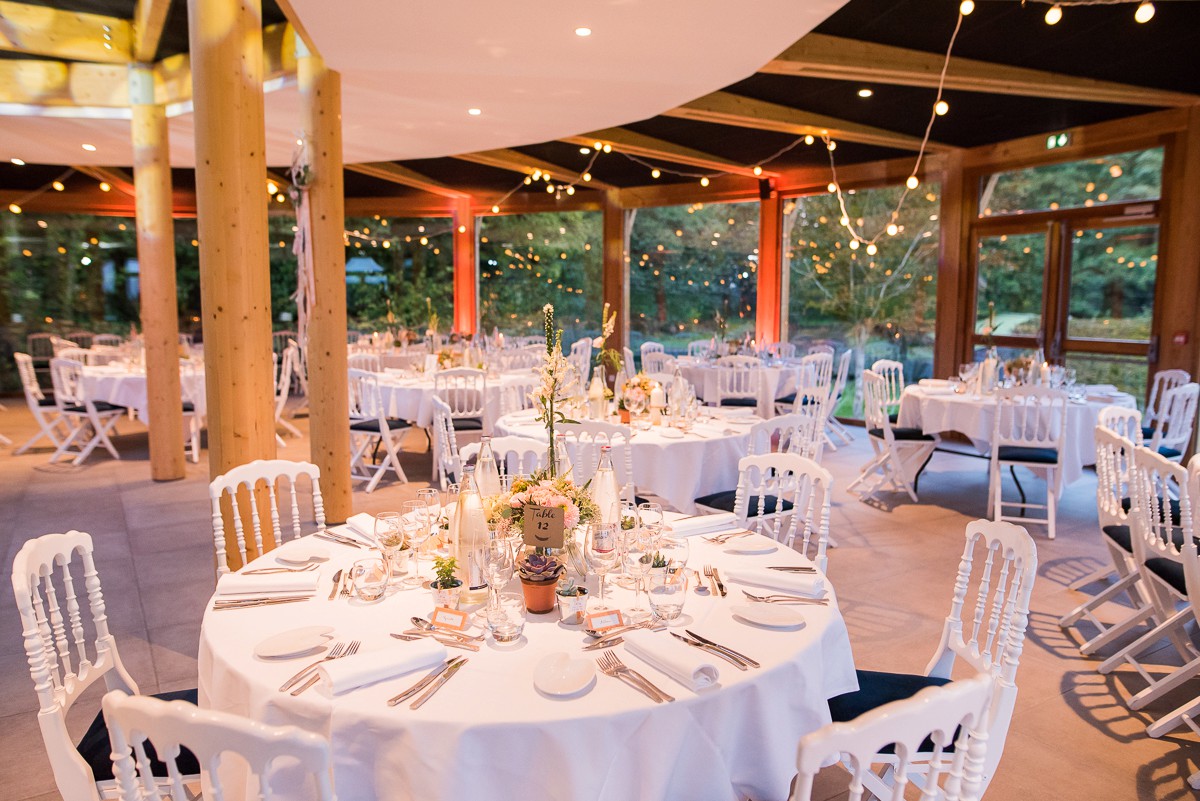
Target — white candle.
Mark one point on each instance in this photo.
(1045, 374)
(658, 398)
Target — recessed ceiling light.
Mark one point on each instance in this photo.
(583, 31)
(89, 148)
(865, 92)
(474, 112)
(18, 162)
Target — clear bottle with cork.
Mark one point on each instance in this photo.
(487, 473)
(562, 460)
(470, 541)
(605, 489)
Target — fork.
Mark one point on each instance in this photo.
(718, 539)
(611, 665)
(351, 650)
(787, 599)
(263, 571)
(715, 580)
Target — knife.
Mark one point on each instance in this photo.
(437, 685)
(720, 584)
(730, 651)
(424, 682)
(786, 569)
(412, 634)
(337, 582)
(739, 664)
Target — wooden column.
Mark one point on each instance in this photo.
(615, 266)
(954, 321)
(328, 397)
(770, 268)
(466, 269)
(156, 263)
(1179, 252)
(231, 210)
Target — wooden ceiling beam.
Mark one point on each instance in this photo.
(725, 108)
(838, 58)
(117, 179)
(396, 174)
(516, 161)
(173, 75)
(149, 20)
(59, 83)
(648, 147)
(70, 35)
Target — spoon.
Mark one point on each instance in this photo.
(422, 623)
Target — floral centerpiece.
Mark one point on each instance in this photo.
(606, 357)
(722, 326)
(558, 384)
(431, 328)
(506, 511)
(446, 359)
(635, 393)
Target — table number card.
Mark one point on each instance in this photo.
(446, 618)
(608, 619)
(544, 526)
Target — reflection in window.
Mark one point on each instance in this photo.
(1117, 178)
(1009, 291)
(686, 265)
(882, 305)
(529, 260)
(1127, 373)
(392, 266)
(1112, 282)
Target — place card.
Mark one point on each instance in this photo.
(544, 526)
(602, 621)
(446, 618)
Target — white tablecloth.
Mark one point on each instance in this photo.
(934, 410)
(778, 380)
(677, 469)
(489, 734)
(126, 386)
(411, 398)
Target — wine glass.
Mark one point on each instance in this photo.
(636, 402)
(497, 568)
(650, 514)
(433, 499)
(390, 537)
(416, 529)
(636, 558)
(602, 549)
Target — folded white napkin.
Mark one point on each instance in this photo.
(933, 382)
(363, 525)
(351, 672)
(702, 524)
(689, 666)
(237, 584)
(810, 584)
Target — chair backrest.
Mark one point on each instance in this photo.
(816, 371)
(364, 361)
(516, 456)
(1123, 421)
(108, 341)
(953, 713)
(875, 409)
(627, 362)
(67, 377)
(580, 358)
(657, 362)
(40, 346)
(822, 348)
(29, 382)
(782, 350)
(67, 643)
(247, 477)
(366, 399)
(799, 432)
(766, 481)
(81, 338)
(1114, 471)
(445, 444)
(991, 637)
(280, 340)
(61, 343)
(463, 389)
(584, 441)
(515, 397)
(81, 355)
(699, 348)
(1158, 484)
(892, 373)
(303, 758)
(738, 377)
(650, 347)
(1191, 567)
(1164, 380)
(1030, 417)
(839, 383)
(1176, 420)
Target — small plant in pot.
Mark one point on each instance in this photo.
(572, 601)
(539, 574)
(445, 586)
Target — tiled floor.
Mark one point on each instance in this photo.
(1072, 736)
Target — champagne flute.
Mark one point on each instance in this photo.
(433, 499)
(416, 529)
(602, 549)
(650, 514)
(390, 537)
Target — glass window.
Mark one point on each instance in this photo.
(1008, 298)
(881, 305)
(1127, 373)
(1117, 178)
(687, 264)
(529, 260)
(392, 266)
(1113, 273)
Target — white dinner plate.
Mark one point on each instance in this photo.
(751, 548)
(769, 615)
(294, 643)
(303, 553)
(561, 674)
(672, 433)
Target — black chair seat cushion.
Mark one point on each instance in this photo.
(739, 402)
(893, 417)
(906, 434)
(1169, 571)
(724, 501)
(1121, 535)
(468, 424)
(1126, 505)
(102, 407)
(788, 399)
(875, 689)
(1147, 432)
(1169, 453)
(97, 752)
(393, 423)
(639, 500)
(47, 401)
(188, 406)
(1017, 453)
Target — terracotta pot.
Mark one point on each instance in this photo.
(539, 596)
(624, 416)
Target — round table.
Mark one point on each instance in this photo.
(778, 380)
(937, 408)
(123, 385)
(676, 466)
(490, 734)
(411, 398)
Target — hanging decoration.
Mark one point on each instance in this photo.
(302, 176)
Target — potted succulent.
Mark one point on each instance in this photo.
(622, 411)
(445, 586)
(539, 574)
(572, 601)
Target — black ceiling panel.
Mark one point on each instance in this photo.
(109, 8)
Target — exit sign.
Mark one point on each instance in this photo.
(1054, 141)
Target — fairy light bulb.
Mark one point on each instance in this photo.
(272, 189)
(105, 186)
(58, 186)
(854, 244)
(832, 187)
(528, 180)
(570, 190)
(607, 148)
(912, 182)
(832, 145)
(757, 170)
(587, 176)
(495, 209)
(537, 175)
(598, 145)
(549, 189)
(1054, 15)
(808, 139)
(871, 249)
(940, 108)
(844, 221)
(655, 173)
(704, 181)
(14, 208)
(892, 229)
(1145, 12)
(966, 7)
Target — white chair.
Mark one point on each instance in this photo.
(371, 427)
(465, 391)
(782, 350)
(738, 381)
(1114, 471)
(699, 348)
(107, 341)
(283, 760)
(69, 647)
(40, 346)
(797, 433)
(280, 340)
(368, 362)
(833, 426)
(81, 338)
(51, 424)
(998, 568)
(241, 484)
(580, 358)
(1172, 433)
(781, 495)
(892, 373)
(1164, 546)
(900, 453)
(584, 441)
(1029, 432)
(82, 414)
(60, 344)
(657, 362)
(515, 456)
(627, 362)
(1122, 421)
(814, 384)
(447, 462)
(286, 363)
(1164, 381)
(935, 718)
(650, 347)
(193, 418)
